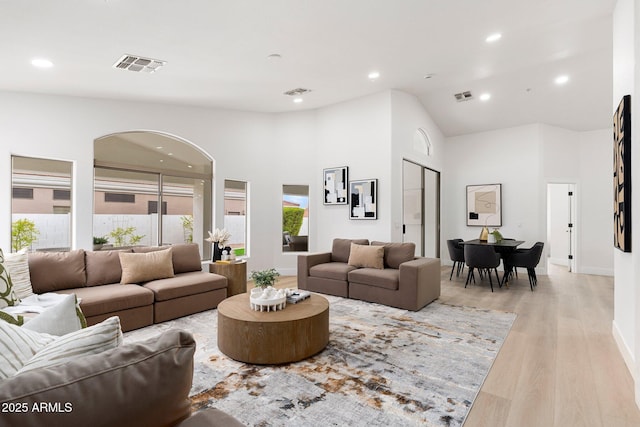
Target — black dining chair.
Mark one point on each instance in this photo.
(456, 253)
(526, 258)
(482, 258)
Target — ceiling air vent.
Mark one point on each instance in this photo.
(138, 64)
(463, 96)
(297, 92)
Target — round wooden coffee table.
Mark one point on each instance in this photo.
(295, 333)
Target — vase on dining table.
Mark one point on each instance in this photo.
(484, 234)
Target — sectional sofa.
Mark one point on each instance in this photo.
(95, 277)
(380, 272)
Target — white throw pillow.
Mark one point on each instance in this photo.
(61, 319)
(95, 339)
(7, 295)
(18, 346)
(18, 266)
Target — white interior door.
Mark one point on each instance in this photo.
(431, 213)
(412, 205)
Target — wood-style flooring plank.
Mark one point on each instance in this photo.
(559, 365)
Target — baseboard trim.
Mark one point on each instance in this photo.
(626, 353)
(596, 271)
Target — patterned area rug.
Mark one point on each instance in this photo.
(382, 367)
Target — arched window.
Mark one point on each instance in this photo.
(151, 189)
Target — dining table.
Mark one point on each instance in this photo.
(504, 247)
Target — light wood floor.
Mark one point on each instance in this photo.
(559, 365)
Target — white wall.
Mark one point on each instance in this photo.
(510, 157)
(407, 116)
(265, 150)
(524, 159)
(357, 134)
(626, 316)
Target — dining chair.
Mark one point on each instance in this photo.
(526, 258)
(456, 253)
(481, 258)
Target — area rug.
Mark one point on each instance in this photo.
(382, 367)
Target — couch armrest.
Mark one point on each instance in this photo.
(138, 384)
(422, 277)
(306, 261)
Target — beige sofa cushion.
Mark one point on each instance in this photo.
(185, 284)
(342, 247)
(366, 256)
(389, 278)
(396, 253)
(142, 267)
(54, 271)
(185, 257)
(141, 384)
(97, 300)
(103, 267)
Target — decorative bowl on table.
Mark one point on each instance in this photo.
(268, 299)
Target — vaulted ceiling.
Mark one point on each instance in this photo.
(220, 54)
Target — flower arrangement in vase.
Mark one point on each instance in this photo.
(218, 239)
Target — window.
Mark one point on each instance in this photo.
(152, 207)
(119, 198)
(235, 214)
(295, 218)
(22, 193)
(163, 174)
(37, 222)
(61, 195)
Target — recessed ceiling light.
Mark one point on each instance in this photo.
(169, 154)
(485, 97)
(560, 80)
(189, 166)
(428, 76)
(41, 63)
(298, 100)
(161, 161)
(159, 147)
(493, 38)
(274, 56)
(373, 75)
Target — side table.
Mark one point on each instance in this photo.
(236, 274)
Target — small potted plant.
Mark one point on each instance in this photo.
(98, 242)
(264, 278)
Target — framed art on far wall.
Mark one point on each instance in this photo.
(335, 185)
(484, 205)
(363, 199)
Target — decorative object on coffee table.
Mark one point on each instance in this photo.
(268, 299)
(264, 278)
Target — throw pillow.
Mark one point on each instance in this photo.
(366, 256)
(143, 267)
(95, 339)
(18, 346)
(61, 319)
(18, 266)
(7, 295)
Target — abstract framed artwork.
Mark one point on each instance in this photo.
(363, 199)
(484, 205)
(622, 175)
(335, 185)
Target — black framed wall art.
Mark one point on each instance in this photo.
(363, 199)
(484, 205)
(622, 175)
(335, 185)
